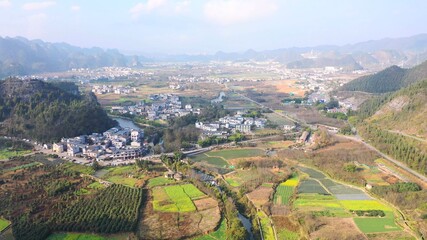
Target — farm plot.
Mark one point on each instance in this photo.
(260, 196)
(323, 204)
(125, 175)
(204, 158)
(229, 154)
(376, 225)
(343, 192)
(177, 198)
(311, 186)
(3, 224)
(285, 191)
(217, 235)
(313, 173)
(267, 229)
(364, 205)
(159, 181)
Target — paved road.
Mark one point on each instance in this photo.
(398, 163)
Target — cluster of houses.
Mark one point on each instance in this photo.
(115, 143)
(120, 90)
(236, 123)
(163, 106)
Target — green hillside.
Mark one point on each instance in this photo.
(38, 110)
(388, 80)
(396, 124)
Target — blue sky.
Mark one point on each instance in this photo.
(207, 26)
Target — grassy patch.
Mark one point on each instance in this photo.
(159, 181)
(233, 182)
(80, 168)
(96, 186)
(288, 235)
(127, 181)
(3, 224)
(373, 225)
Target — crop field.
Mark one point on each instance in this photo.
(233, 182)
(127, 181)
(3, 224)
(324, 203)
(267, 229)
(5, 154)
(236, 153)
(219, 234)
(277, 119)
(364, 205)
(288, 235)
(313, 173)
(260, 196)
(285, 191)
(311, 186)
(159, 181)
(22, 167)
(279, 144)
(376, 225)
(216, 161)
(125, 175)
(176, 198)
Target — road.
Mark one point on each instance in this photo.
(398, 163)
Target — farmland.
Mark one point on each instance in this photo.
(86, 236)
(176, 198)
(376, 225)
(178, 211)
(159, 181)
(219, 234)
(124, 175)
(205, 158)
(3, 224)
(311, 186)
(285, 191)
(229, 154)
(267, 229)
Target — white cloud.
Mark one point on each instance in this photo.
(5, 3)
(147, 7)
(228, 12)
(182, 6)
(75, 8)
(38, 5)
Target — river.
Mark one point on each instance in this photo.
(126, 123)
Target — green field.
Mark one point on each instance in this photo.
(364, 205)
(3, 224)
(216, 161)
(233, 182)
(236, 153)
(267, 229)
(283, 194)
(288, 235)
(96, 186)
(219, 234)
(5, 154)
(127, 181)
(158, 181)
(22, 167)
(376, 225)
(125, 175)
(318, 202)
(176, 198)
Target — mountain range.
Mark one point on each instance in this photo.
(20, 56)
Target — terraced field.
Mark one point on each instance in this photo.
(216, 161)
(267, 229)
(229, 154)
(219, 234)
(311, 186)
(3, 224)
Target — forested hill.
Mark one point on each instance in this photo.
(389, 80)
(42, 111)
(20, 56)
(396, 124)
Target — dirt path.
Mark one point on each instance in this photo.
(407, 135)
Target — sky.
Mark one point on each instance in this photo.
(208, 26)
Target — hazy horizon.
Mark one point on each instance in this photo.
(197, 27)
